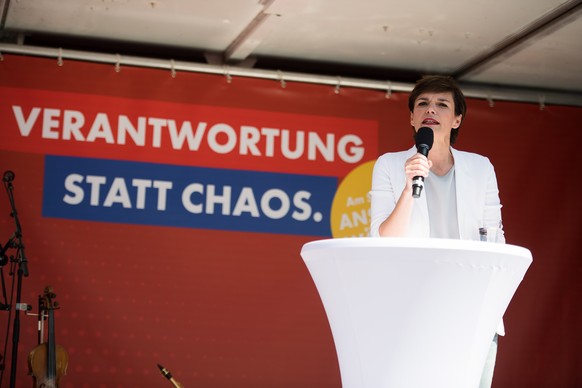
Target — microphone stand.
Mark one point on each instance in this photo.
(3, 261)
(4, 305)
(22, 271)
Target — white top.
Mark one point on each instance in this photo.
(441, 198)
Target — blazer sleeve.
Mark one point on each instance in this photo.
(388, 181)
(478, 204)
(492, 208)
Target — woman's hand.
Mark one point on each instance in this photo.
(416, 165)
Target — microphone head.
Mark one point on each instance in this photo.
(424, 138)
(8, 176)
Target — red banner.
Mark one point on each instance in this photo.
(168, 215)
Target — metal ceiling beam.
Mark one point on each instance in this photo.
(260, 27)
(5, 4)
(541, 97)
(560, 16)
(251, 37)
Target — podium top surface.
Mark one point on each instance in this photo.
(360, 243)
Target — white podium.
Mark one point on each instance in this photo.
(417, 313)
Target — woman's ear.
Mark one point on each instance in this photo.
(458, 121)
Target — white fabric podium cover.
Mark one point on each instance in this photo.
(414, 312)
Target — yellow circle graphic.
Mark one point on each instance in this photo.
(350, 209)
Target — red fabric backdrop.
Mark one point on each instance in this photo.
(226, 308)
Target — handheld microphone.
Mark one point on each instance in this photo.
(424, 139)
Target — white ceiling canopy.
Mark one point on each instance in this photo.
(525, 47)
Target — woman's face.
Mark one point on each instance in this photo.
(437, 111)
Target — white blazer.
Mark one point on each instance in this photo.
(478, 202)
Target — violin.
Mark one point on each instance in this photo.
(48, 361)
